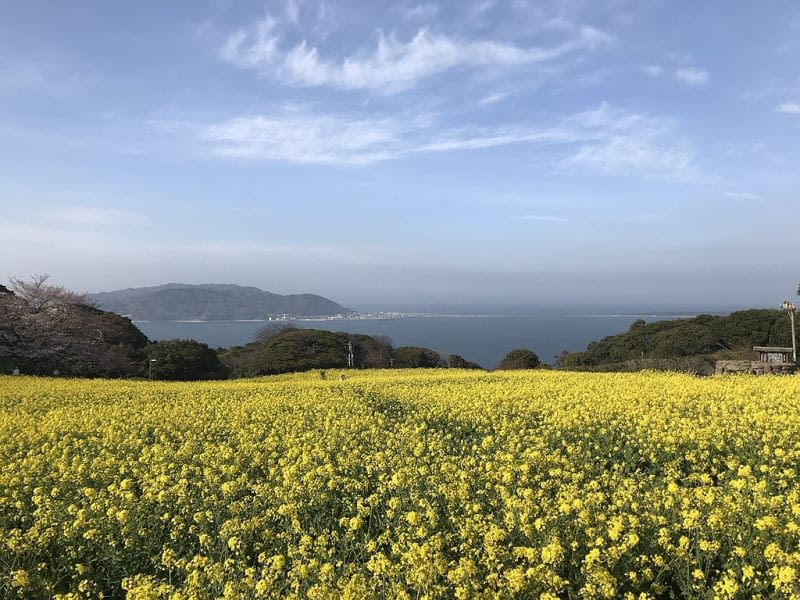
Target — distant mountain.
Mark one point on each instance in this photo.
(211, 302)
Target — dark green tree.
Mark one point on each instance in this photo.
(416, 357)
(290, 349)
(454, 361)
(184, 360)
(294, 350)
(271, 329)
(519, 358)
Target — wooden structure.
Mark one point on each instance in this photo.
(770, 354)
(772, 360)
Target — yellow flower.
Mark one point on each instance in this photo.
(20, 579)
(546, 484)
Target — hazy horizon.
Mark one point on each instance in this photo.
(405, 155)
(468, 307)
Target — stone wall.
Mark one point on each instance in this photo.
(754, 367)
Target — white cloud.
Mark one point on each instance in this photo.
(559, 22)
(789, 108)
(626, 142)
(304, 138)
(493, 98)
(635, 152)
(493, 139)
(746, 196)
(292, 11)
(252, 49)
(602, 140)
(691, 76)
(422, 12)
(605, 117)
(653, 70)
(393, 65)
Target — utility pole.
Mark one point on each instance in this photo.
(791, 308)
(350, 358)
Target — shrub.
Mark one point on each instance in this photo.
(520, 358)
(184, 360)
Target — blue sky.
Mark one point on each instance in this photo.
(617, 153)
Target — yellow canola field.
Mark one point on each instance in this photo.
(401, 484)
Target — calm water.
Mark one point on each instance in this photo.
(483, 340)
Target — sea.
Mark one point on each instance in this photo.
(483, 339)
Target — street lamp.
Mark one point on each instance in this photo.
(791, 308)
(150, 368)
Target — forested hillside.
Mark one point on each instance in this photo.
(691, 344)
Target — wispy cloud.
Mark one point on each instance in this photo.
(493, 98)
(628, 142)
(691, 76)
(653, 70)
(602, 139)
(789, 108)
(422, 12)
(304, 138)
(495, 138)
(745, 196)
(292, 11)
(254, 48)
(393, 65)
(640, 153)
(605, 117)
(687, 75)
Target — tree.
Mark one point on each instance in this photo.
(416, 357)
(44, 328)
(560, 359)
(184, 360)
(454, 361)
(637, 324)
(271, 329)
(291, 349)
(300, 350)
(372, 352)
(519, 358)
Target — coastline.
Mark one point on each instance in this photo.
(403, 315)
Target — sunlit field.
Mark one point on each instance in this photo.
(401, 484)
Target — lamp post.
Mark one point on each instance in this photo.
(150, 368)
(791, 308)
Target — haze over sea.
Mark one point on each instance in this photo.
(484, 339)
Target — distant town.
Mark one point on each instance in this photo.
(365, 316)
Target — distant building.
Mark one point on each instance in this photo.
(769, 354)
